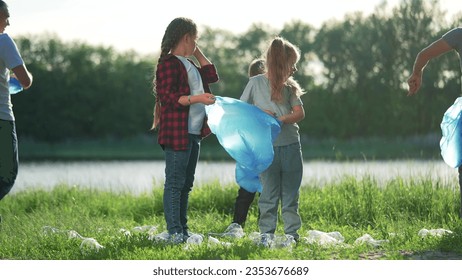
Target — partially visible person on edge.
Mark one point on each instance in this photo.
(245, 198)
(182, 91)
(10, 60)
(278, 94)
(452, 40)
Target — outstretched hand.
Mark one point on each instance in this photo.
(414, 83)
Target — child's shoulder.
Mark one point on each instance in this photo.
(258, 78)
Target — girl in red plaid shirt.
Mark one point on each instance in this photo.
(182, 92)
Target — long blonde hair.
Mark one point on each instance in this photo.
(175, 31)
(281, 57)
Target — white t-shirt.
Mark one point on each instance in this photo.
(196, 110)
(9, 59)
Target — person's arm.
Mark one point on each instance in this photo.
(201, 58)
(204, 98)
(297, 114)
(23, 75)
(435, 49)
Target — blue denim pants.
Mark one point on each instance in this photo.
(281, 183)
(180, 168)
(9, 161)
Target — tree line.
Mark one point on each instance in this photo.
(354, 71)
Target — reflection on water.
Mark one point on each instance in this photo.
(141, 176)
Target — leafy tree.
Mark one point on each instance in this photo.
(354, 71)
(81, 91)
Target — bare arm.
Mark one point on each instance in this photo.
(298, 114)
(205, 98)
(435, 49)
(22, 74)
(201, 58)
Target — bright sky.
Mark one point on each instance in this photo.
(140, 24)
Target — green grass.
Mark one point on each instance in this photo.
(394, 212)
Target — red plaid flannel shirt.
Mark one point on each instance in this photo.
(171, 84)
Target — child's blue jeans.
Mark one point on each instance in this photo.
(180, 168)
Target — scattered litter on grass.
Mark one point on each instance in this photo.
(163, 236)
(90, 244)
(125, 232)
(74, 234)
(434, 232)
(87, 245)
(270, 240)
(324, 238)
(195, 239)
(148, 229)
(212, 241)
(235, 231)
(368, 240)
(50, 230)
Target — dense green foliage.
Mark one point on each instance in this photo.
(82, 91)
(396, 212)
(354, 72)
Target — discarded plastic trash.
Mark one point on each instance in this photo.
(73, 234)
(324, 238)
(247, 134)
(195, 239)
(234, 230)
(163, 236)
(87, 245)
(367, 239)
(433, 232)
(90, 244)
(142, 229)
(451, 140)
(50, 230)
(212, 241)
(125, 232)
(273, 241)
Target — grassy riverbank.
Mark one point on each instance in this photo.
(46, 225)
(146, 148)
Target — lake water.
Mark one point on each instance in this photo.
(141, 176)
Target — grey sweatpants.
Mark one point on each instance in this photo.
(281, 183)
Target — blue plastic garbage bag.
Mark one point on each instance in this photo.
(14, 85)
(451, 141)
(247, 134)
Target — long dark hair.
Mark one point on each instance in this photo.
(175, 31)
